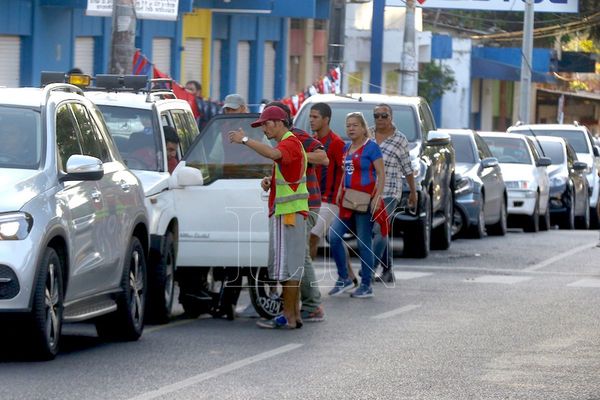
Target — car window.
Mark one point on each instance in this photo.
(187, 132)
(463, 149)
(136, 135)
(571, 155)
(405, 118)
(554, 150)
(534, 150)
(509, 150)
(67, 139)
(217, 158)
(577, 139)
(428, 122)
(482, 147)
(92, 143)
(20, 138)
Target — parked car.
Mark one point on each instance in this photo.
(432, 156)
(73, 226)
(135, 119)
(580, 138)
(569, 200)
(480, 198)
(526, 179)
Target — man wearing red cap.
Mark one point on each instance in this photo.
(288, 209)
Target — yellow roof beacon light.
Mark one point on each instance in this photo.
(80, 80)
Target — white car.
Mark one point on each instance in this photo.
(580, 138)
(525, 176)
(135, 121)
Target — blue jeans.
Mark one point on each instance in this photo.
(381, 244)
(362, 226)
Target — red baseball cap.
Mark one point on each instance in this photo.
(272, 113)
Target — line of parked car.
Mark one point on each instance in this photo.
(93, 227)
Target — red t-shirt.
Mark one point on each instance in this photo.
(330, 176)
(291, 165)
(171, 164)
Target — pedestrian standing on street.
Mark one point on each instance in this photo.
(207, 108)
(235, 104)
(364, 173)
(288, 209)
(310, 295)
(396, 159)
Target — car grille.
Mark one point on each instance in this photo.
(9, 284)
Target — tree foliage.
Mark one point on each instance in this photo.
(435, 80)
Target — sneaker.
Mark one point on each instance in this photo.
(315, 316)
(387, 276)
(279, 322)
(362, 292)
(341, 286)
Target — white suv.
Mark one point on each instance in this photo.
(136, 121)
(73, 226)
(580, 138)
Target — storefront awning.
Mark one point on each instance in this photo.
(484, 68)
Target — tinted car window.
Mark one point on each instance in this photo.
(509, 150)
(482, 147)
(405, 118)
(92, 142)
(20, 138)
(577, 139)
(187, 132)
(463, 149)
(553, 150)
(67, 139)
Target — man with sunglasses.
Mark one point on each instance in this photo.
(396, 159)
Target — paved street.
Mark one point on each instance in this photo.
(498, 318)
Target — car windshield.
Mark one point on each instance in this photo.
(217, 158)
(134, 133)
(577, 139)
(463, 149)
(554, 150)
(20, 137)
(509, 150)
(404, 118)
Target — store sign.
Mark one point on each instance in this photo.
(555, 6)
(144, 9)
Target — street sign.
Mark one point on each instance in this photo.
(144, 9)
(555, 6)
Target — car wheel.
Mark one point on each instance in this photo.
(441, 237)
(568, 217)
(417, 241)
(500, 227)
(545, 219)
(47, 308)
(583, 222)
(532, 223)
(595, 215)
(265, 294)
(127, 323)
(161, 283)
(458, 223)
(477, 231)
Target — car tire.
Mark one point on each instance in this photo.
(583, 222)
(500, 227)
(545, 219)
(441, 237)
(264, 296)
(417, 241)
(45, 321)
(568, 218)
(127, 323)
(161, 283)
(532, 222)
(477, 231)
(595, 216)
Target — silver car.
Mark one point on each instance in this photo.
(73, 226)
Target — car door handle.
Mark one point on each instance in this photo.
(97, 196)
(125, 186)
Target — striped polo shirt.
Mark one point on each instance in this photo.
(310, 144)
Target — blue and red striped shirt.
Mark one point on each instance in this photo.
(359, 170)
(310, 144)
(330, 176)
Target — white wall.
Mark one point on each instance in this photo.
(456, 103)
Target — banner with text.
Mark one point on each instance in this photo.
(144, 9)
(555, 6)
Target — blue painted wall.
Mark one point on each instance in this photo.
(512, 56)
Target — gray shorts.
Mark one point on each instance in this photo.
(287, 247)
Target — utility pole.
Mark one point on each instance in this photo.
(123, 37)
(526, 56)
(377, 24)
(409, 68)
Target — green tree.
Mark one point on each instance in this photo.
(435, 80)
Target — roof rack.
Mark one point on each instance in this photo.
(63, 87)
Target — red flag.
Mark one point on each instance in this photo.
(179, 92)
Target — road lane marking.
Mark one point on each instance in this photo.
(593, 283)
(406, 275)
(194, 380)
(397, 311)
(558, 257)
(504, 279)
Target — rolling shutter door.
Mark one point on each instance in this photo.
(161, 54)
(269, 72)
(243, 69)
(193, 59)
(84, 54)
(10, 60)
(215, 73)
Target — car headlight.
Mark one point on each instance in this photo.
(558, 181)
(519, 185)
(15, 226)
(464, 185)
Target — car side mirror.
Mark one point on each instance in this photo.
(596, 151)
(489, 162)
(186, 176)
(579, 166)
(543, 162)
(435, 138)
(83, 168)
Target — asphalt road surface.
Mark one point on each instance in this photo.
(499, 318)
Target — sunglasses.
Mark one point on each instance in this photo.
(381, 115)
